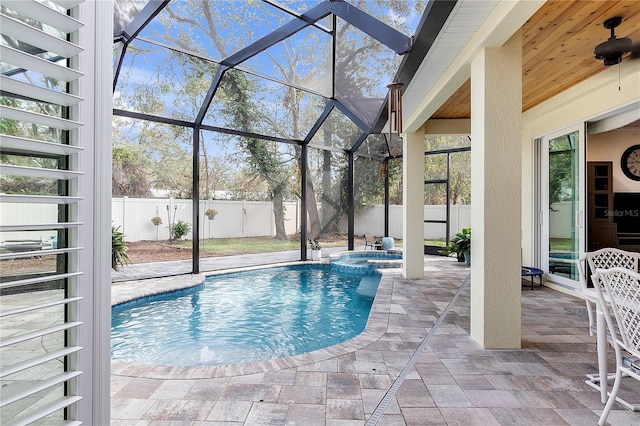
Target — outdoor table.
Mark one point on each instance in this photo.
(528, 271)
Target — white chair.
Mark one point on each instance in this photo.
(605, 258)
(619, 300)
(370, 241)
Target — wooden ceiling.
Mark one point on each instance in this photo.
(557, 49)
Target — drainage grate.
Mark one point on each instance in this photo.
(391, 393)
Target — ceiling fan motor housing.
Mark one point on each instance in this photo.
(611, 51)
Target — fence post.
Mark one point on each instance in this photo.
(124, 214)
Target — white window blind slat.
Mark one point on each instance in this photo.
(39, 172)
(29, 281)
(39, 306)
(36, 118)
(27, 90)
(39, 226)
(49, 356)
(38, 386)
(35, 334)
(34, 36)
(32, 146)
(33, 63)
(38, 253)
(44, 14)
(31, 417)
(38, 199)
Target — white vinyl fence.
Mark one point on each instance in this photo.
(234, 219)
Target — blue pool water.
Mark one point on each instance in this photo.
(243, 317)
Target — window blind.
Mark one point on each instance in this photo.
(39, 206)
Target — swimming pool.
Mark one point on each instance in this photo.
(244, 317)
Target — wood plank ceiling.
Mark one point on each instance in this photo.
(557, 50)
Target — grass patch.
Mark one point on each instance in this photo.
(252, 245)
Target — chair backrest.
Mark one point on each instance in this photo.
(369, 238)
(621, 297)
(608, 258)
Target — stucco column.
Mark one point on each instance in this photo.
(413, 201)
(496, 157)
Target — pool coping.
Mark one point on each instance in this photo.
(375, 328)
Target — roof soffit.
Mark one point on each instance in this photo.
(473, 25)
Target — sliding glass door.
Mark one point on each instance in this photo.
(563, 203)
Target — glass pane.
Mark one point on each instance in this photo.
(327, 195)
(563, 205)
(303, 60)
(250, 191)
(337, 131)
(369, 196)
(374, 145)
(214, 28)
(161, 82)
(252, 104)
(152, 188)
(364, 68)
(125, 11)
(404, 16)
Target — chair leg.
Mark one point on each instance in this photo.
(612, 398)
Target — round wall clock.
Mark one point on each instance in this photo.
(630, 162)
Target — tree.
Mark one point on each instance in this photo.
(266, 107)
(129, 175)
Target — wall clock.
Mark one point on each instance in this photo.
(630, 162)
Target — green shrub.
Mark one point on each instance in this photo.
(179, 229)
(119, 255)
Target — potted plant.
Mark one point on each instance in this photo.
(316, 249)
(211, 213)
(179, 229)
(461, 243)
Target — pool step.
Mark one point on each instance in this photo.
(385, 263)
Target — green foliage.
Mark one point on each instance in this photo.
(119, 255)
(461, 242)
(179, 229)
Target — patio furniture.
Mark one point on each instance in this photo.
(530, 271)
(618, 294)
(602, 259)
(370, 241)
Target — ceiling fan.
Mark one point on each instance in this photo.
(612, 50)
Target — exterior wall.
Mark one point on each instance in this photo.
(583, 102)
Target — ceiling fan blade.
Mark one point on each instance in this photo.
(613, 46)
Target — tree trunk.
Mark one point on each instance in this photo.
(278, 212)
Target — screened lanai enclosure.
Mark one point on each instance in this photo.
(230, 118)
(285, 102)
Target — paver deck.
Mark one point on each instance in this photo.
(413, 365)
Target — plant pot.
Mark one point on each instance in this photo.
(316, 254)
(460, 257)
(467, 257)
